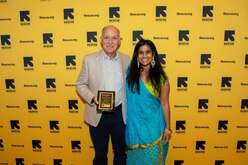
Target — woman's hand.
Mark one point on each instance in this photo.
(167, 135)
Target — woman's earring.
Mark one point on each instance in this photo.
(153, 62)
(138, 63)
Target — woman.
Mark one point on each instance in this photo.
(148, 114)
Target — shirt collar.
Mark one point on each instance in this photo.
(106, 57)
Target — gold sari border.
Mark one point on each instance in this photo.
(145, 145)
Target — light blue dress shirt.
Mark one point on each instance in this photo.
(113, 76)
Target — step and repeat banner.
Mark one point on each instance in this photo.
(203, 46)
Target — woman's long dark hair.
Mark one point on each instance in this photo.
(156, 73)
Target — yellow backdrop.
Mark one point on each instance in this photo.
(203, 47)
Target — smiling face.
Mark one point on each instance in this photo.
(145, 55)
(110, 40)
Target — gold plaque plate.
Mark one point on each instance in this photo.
(106, 100)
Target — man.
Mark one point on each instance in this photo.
(105, 70)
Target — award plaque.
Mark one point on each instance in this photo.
(106, 100)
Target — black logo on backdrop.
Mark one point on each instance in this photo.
(75, 146)
(207, 13)
(15, 125)
(200, 146)
(182, 83)
(161, 13)
(73, 106)
(114, 14)
(57, 161)
(203, 105)
(178, 162)
(241, 146)
(226, 83)
(219, 162)
(47, 40)
(137, 35)
(222, 126)
(51, 84)
(180, 126)
(69, 15)
(92, 38)
(162, 58)
(36, 144)
(1, 145)
(25, 17)
(70, 62)
(229, 37)
(54, 126)
(246, 61)
(32, 106)
(205, 61)
(183, 37)
(28, 63)
(244, 105)
(5, 41)
(19, 161)
(10, 85)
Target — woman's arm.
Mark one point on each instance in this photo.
(164, 99)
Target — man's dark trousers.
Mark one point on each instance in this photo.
(111, 125)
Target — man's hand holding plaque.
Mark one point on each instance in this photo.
(106, 101)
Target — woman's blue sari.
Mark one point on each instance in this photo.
(144, 130)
